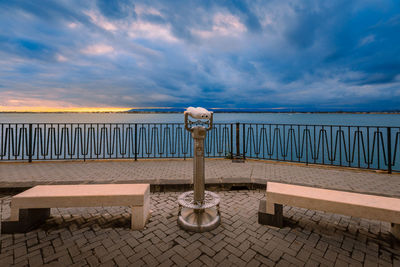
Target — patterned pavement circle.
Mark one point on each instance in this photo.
(101, 237)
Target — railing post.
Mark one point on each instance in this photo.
(30, 143)
(135, 141)
(389, 149)
(231, 148)
(237, 140)
(244, 141)
(306, 145)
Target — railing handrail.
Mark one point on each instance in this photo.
(246, 123)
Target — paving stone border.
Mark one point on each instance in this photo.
(180, 172)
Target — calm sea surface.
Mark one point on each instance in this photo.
(275, 118)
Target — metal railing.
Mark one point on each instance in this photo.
(370, 147)
(54, 141)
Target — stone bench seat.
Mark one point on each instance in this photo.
(32, 207)
(352, 204)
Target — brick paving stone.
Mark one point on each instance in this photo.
(179, 260)
(244, 246)
(275, 255)
(137, 256)
(221, 255)
(99, 251)
(7, 261)
(166, 255)
(207, 250)
(150, 260)
(349, 260)
(207, 260)
(293, 260)
(231, 241)
(166, 263)
(220, 245)
(55, 256)
(180, 250)
(194, 246)
(92, 261)
(321, 260)
(109, 263)
(340, 263)
(110, 256)
(142, 246)
(197, 263)
(288, 250)
(234, 250)
(358, 255)
(194, 254)
(94, 240)
(81, 256)
(248, 255)
(260, 250)
(330, 255)
(283, 263)
(21, 263)
(154, 251)
(253, 263)
(65, 260)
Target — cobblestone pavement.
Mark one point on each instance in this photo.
(101, 237)
(181, 172)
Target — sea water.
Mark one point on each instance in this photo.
(347, 119)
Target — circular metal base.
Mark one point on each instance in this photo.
(186, 200)
(199, 220)
(199, 217)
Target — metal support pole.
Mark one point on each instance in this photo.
(389, 149)
(136, 142)
(244, 141)
(30, 143)
(237, 140)
(231, 148)
(198, 134)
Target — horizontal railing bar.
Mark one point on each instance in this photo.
(180, 123)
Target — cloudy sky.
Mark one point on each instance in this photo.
(304, 55)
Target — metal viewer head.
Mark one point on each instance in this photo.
(203, 116)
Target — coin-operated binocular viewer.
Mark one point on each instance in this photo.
(198, 209)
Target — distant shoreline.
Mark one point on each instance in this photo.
(215, 111)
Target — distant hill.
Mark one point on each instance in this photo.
(215, 110)
(254, 110)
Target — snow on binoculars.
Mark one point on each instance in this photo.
(198, 113)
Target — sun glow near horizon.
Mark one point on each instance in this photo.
(63, 109)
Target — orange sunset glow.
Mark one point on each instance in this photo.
(62, 109)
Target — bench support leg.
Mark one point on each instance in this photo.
(140, 215)
(269, 219)
(395, 230)
(29, 219)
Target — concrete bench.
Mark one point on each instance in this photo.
(334, 201)
(32, 207)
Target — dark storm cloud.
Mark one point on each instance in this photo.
(29, 49)
(118, 9)
(242, 9)
(302, 54)
(47, 10)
